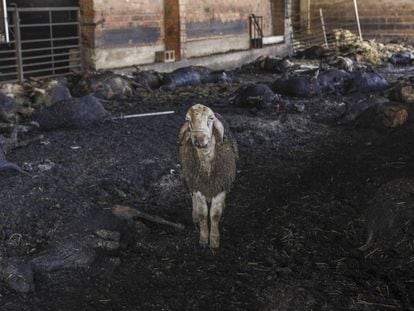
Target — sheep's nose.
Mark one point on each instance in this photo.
(200, 141)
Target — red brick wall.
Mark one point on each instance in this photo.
(381, 19)
(126, 31)
(226, 17)
(120, 23)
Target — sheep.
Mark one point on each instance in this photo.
(208, 155)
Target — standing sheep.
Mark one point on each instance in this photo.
(208, 155)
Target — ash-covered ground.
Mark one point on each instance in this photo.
(300, 210)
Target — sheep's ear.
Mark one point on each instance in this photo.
(184, 134)
(218, 126)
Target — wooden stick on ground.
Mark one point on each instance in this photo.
(128, 213)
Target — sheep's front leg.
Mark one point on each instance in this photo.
(216, 211)
(200, 215)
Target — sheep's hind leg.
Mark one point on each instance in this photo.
(200, 215)
(216, 211)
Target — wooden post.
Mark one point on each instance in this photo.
(323, 27)
(357, 19)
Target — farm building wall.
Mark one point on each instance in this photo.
(384, 20)
(123, 33)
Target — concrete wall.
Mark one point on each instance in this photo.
(381, 19)
(122, 33)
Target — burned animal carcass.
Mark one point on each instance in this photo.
(73, 112)
(402, 58)
(258, 96)
(297, 85)
(104, 85)
(192, 75)
(148, 79)
(12, 111)
(403, 91)
(367, 81)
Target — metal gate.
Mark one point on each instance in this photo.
(44, 42)
(315, 27)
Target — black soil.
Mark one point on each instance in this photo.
(293, 224)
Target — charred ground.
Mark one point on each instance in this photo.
(292, 226)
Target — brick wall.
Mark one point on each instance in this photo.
(121, 32)
(381, 19)
(129, 32)
(224, 17)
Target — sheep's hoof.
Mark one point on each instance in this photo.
(214, 244)
(203, 242)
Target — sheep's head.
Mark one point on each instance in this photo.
(200, 126)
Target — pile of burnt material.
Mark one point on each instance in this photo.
(110, 86)
(330, 81)
(258, 96)
(65, 111)
(346, 43)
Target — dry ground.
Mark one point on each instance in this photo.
(292, 227)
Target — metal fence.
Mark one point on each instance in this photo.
(44, 42)
(317, 27)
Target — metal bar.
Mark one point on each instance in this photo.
(57, 48)
(54, 39)
(56, 68)
(51, 40)
(8, 73)
(7, 52)
(47, 63)
(9, 58)
(80, 41)
(68, 8)
(8, 66)
(47, 25)
(60, 74)
(19, 55)
(49, 55)
(357, 19)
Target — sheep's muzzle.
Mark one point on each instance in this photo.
(200, 139)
